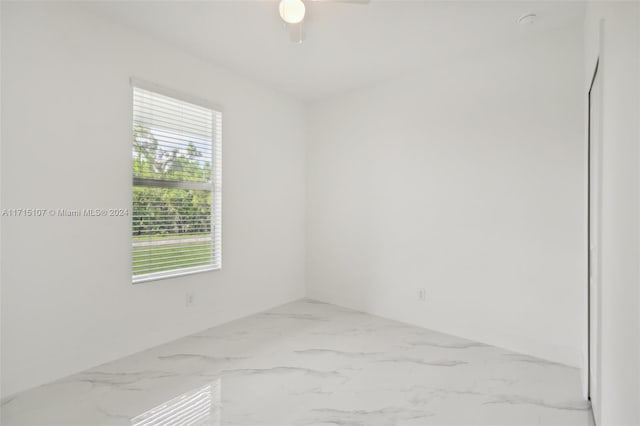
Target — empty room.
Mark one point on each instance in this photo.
(319, 212)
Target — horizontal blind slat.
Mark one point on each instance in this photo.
(160, 99)
(162, 125)
(176, 117)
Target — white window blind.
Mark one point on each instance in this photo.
(176, 184)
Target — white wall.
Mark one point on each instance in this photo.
(67, 298)
(466, 180)
(619, 51)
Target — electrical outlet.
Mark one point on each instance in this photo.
(188, 299)
(422, 295)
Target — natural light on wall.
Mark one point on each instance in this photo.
(176, 184)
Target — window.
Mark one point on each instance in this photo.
(176, 184)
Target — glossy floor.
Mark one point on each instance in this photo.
(310, 363)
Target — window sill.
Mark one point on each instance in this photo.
(156, 276)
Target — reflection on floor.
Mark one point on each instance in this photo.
(310, 363)
(196, 407)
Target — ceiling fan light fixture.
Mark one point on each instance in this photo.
(292, 11)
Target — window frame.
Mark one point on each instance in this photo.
(215, 186)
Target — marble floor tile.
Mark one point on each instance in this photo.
(311, 363)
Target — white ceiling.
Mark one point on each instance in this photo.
(347, 45)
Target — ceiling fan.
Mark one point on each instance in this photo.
(292, 13)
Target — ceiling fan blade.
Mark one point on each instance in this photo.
(296, 32)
